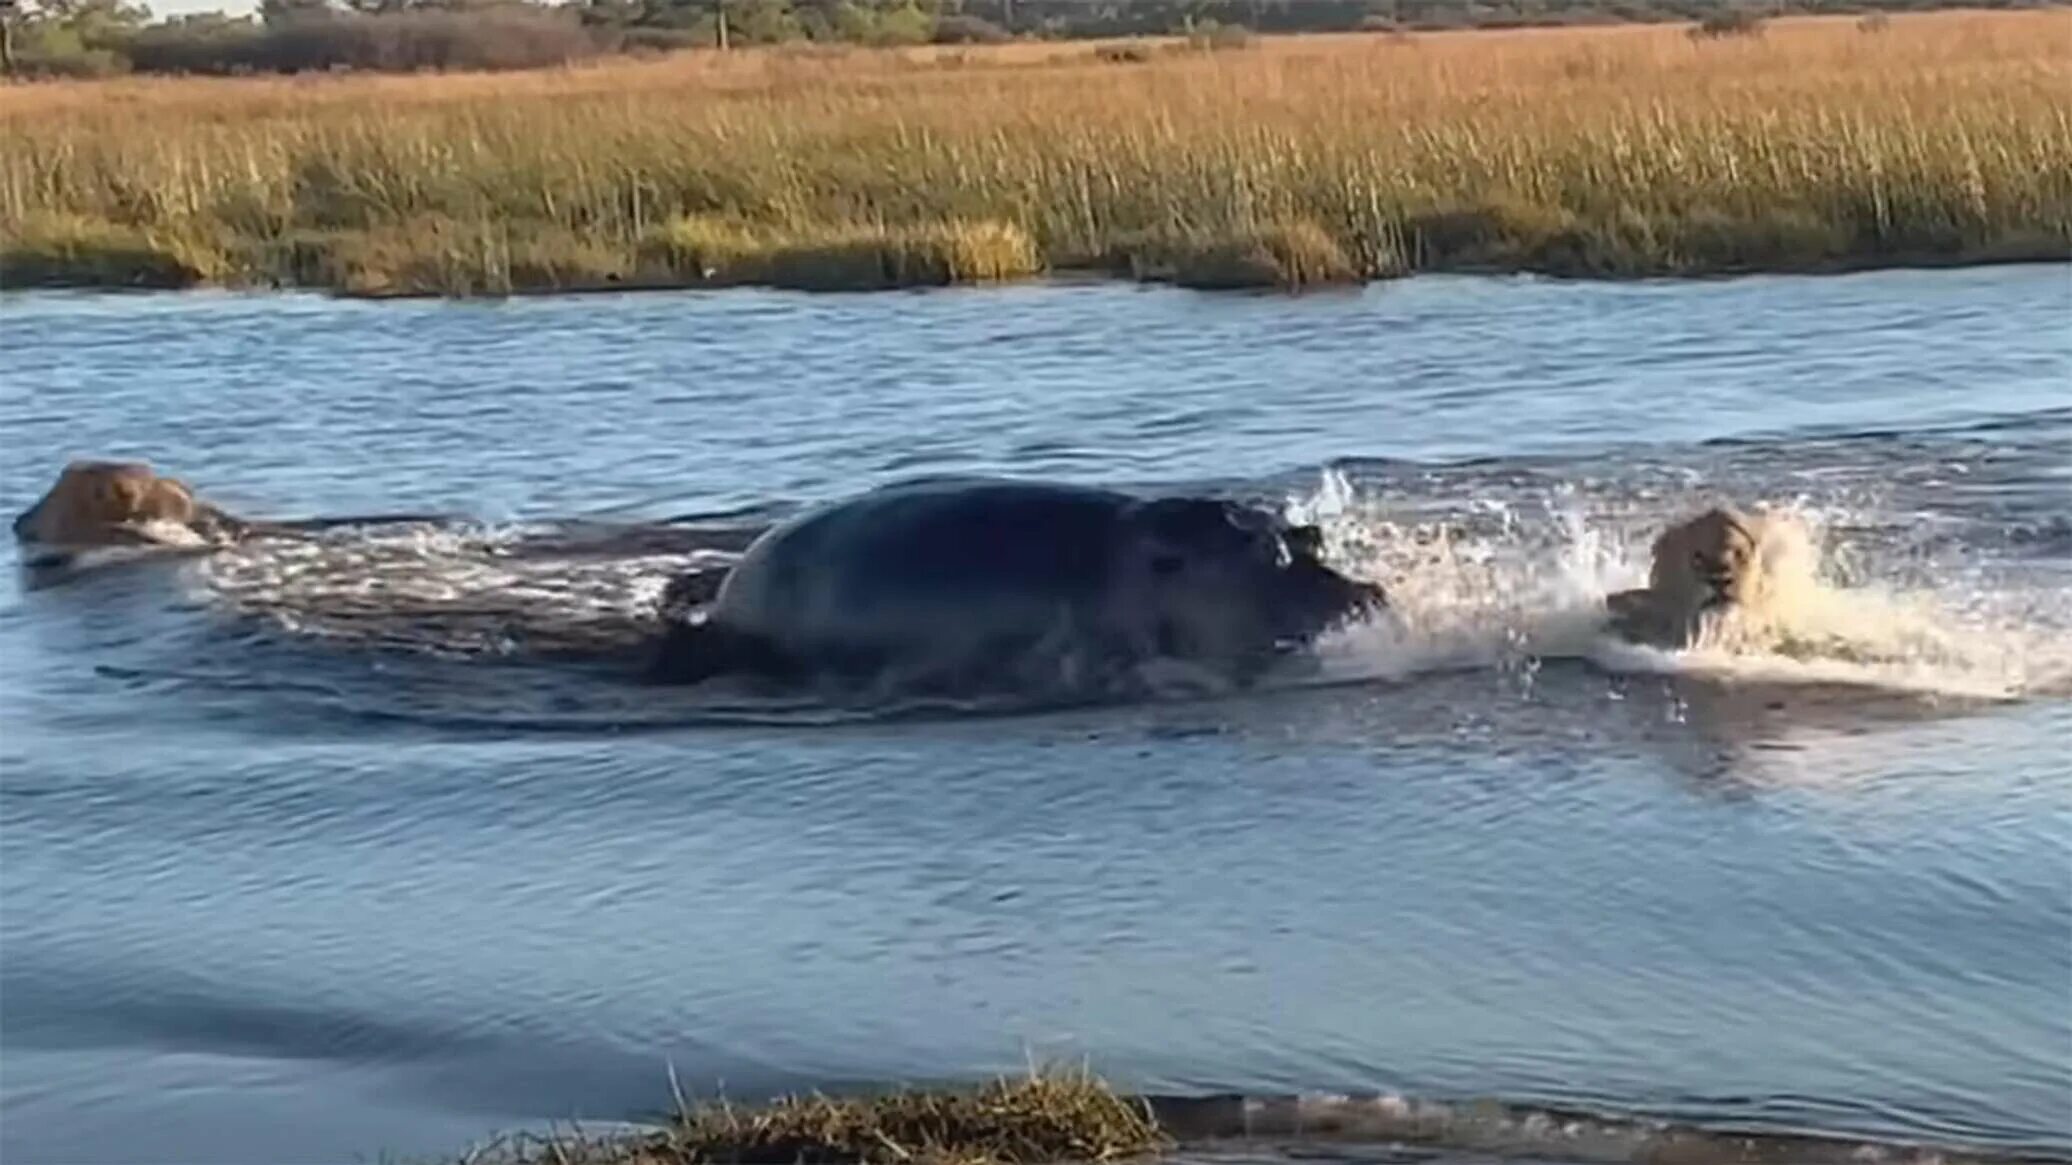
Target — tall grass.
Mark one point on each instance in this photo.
(1622, 151)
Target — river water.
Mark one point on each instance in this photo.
(276, 889)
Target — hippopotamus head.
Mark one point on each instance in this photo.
(1230, 581)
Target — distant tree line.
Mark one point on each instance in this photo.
(98, 37)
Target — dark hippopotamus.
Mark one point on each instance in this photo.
(972, 582)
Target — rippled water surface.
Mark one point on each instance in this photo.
(274, 888)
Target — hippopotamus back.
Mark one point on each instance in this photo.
(902, 559)
(960, 577)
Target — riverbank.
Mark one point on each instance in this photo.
(1820, 144)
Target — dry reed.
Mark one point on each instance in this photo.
(1046, 1117)
(1941, 138)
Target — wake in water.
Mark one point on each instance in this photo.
(1499, 582)
(1304, 1128)
(468, 591)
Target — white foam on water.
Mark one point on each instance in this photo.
(443, 589)
(1489, 586)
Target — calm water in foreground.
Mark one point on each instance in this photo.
(268, 897)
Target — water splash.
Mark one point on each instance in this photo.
(1503, 583)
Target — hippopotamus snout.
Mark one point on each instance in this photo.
(1235, 581)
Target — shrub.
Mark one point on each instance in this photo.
(1213, 36)
(662, 40)
(50, 49)
(961, 28)
(85, 63)
(423, 40)
(1123, 54)
(1729, 22)
(216, 49)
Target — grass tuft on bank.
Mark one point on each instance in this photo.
(1043, 1118)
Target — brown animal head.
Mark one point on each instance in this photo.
(1720, 560)
(1716, 559)
(118, 503)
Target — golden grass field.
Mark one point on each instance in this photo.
(1635, 150)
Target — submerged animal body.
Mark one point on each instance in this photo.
(95, 504)
(1723, 561)
(972, 582)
